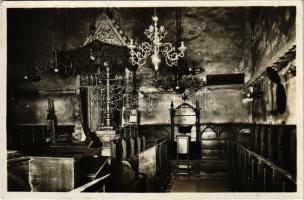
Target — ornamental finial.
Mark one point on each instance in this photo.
(155, 18)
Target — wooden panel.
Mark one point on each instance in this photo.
(139, 145)
(50, 174)
(257, 139)
(293, 150)
(209, 134)
(124, 147)
(92, 167)
(224, 135)
(17, 173)
(262, 140)
(274, 144)
(280, 145)
(147, 166)
(210, 153)
(286, 141)
(209, 144)
(116, 150)
(269, 142)
(143, 143)
(147, 162)
(19, 165)
(222, 142)
(132, 147)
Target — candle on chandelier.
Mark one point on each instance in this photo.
(182, 47)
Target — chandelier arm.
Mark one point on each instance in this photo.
(171, 55)
(139, 57)
(149, 32)
(162, 33)
(155, 34)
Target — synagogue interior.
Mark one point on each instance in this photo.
(141, 100)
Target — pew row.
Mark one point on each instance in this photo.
(56, 174)
(154, 163)
(255, 173)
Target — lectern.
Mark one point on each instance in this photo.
(183, 166)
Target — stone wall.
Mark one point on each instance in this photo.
(217, 39)
(33, 35)
(217, 106)
(273, 34)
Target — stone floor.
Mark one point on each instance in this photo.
(205, 176)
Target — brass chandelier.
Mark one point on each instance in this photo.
(155, 46)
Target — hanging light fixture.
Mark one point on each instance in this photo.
(155, 34)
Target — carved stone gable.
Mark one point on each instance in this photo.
(106, 32)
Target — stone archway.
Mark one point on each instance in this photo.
(209, 143)
(214, 141)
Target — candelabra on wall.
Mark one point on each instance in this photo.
(34, 72)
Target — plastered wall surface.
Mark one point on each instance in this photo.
(218, 39)
(217, 106)
(273, 34)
